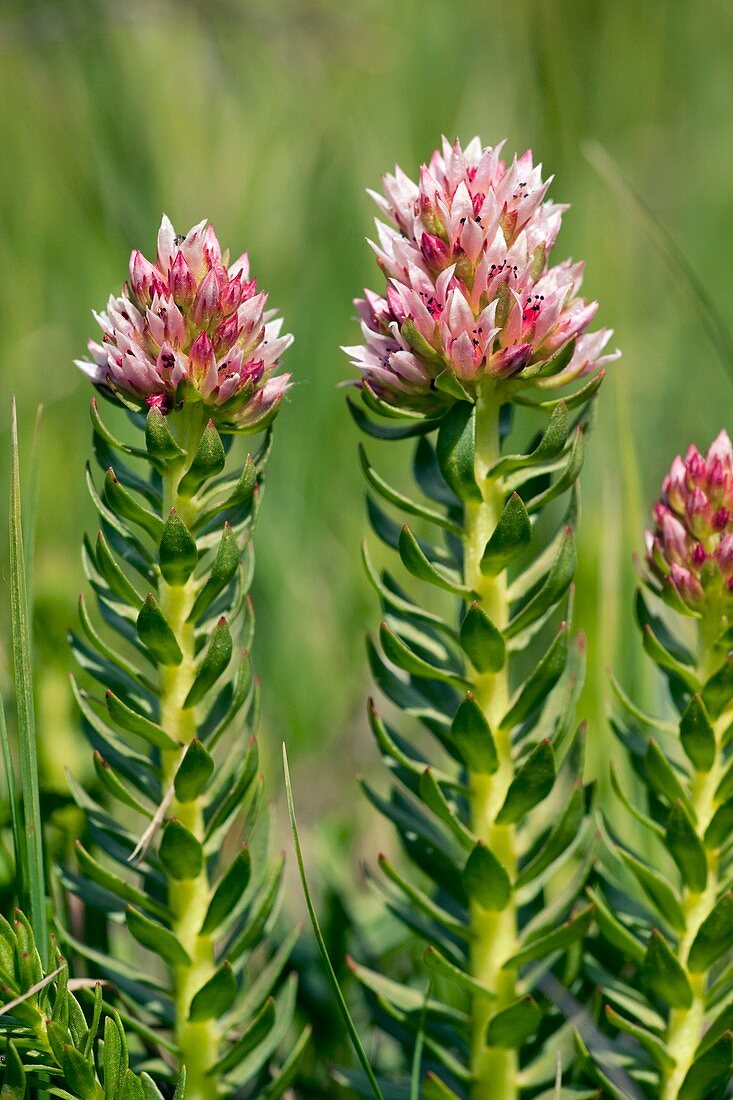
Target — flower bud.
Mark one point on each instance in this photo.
(692, 542)
(172, 335)
(182, 282)
(480, 229)
(434, 250)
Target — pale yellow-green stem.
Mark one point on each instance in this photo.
(494, 934)
(188, 900)
(686, 1025)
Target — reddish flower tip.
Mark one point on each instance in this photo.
(690, 550)
(469, 289)
(188, 327)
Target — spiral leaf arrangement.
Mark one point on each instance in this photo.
(496, 806)
(667, 920)
(181, 846)
(50, 1042)
(489, 807)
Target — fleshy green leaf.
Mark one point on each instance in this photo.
(400, 500)
(256, 1031)
(555, 586)
(178, 554)
(437, 964)
(511, 537)
(400, 654)
(416, 562)
(115, 1055)
(559, 938)
(514, 1024)
(485, 879)
(560, 839)
(180, 851)
(159, 441)
(613, 930)
(686, 848)
(207, 462)
(447, 381)
(386, 431)
(221, 573)
(664, 975)
(213, 664)
(134, 722)
(435, 1089)
(720, 828)
(121, 888)
(724, 790)
(392, 412)
(567, 478)
(471, 734)
(111, 572)
(123, 503)
(79, 1073)
(535, 690)
(663, 778)
(433, 797)
(551, 443)
(714, 937)
(532, 783)
(156, 938)
(658, 890)
(455, 448)
(153, 630)
(229, 890)
(696, 734)
(651, 1043)
(194, 772)
(666, 660)
(718, 690)
(216, 996)
(482, 642)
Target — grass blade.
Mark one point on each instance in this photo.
(333, 980)
(31, 504)
(15, 810)
(22, 664)
(673, 256)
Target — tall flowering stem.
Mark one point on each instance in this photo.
(487, 800)
(677, 925)
(181, 852)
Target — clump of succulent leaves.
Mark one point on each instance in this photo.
(476, 656)
(665, 912)
(179, 853)
(50, 1044)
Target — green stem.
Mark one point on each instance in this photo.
(188, 899)
(686, 1026)
(494, 933)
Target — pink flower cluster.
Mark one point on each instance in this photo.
(469, 289)
(192, 326)
(691, 546)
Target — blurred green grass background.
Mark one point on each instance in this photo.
(270, 118)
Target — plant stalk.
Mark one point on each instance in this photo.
(188, 899)
(494, 933)
(686, 1025)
